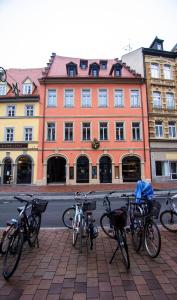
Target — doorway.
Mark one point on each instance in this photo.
(7, 175)
(131, 169)
(24, 170)
(105, 166)
(82, 173)
(56, 170)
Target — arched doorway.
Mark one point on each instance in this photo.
(105, 169)
(24, 170)
(131, 169)
(82, 173)
(7, 174)
(56, 169)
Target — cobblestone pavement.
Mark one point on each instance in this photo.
(80, 187)
(57, 271)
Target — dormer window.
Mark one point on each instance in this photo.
(27, 88)
(3, 88)
(94, 70)
(159, 47)
(116, 70)
(71, 69)
(83, 64)
(103, 64)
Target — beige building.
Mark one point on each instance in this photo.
(159, 67)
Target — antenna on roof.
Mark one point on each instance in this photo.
(128, 48)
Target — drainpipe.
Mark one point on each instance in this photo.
(43, 117)
(142, 113)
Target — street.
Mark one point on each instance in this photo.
(56, 206)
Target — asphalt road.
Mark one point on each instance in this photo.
(53, 214)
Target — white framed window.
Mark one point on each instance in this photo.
(69, 98)
(135, 98)
(86, 98)
(136, 136)
(28, 133)
(9, 134)
(51, 132)
(119, 131)
(52, 98)
(167, 72)
(86, 131)
(162, 168)
(11, 110)
(118, 98)
(68, 133)
(27, 88)
(102, 98)
(155, 71)
(170, 101)
(103, 131)
(29, 110)
(158, 129)
(3, 88)
(157, 100)
(172, 129)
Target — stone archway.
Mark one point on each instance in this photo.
(56, 169)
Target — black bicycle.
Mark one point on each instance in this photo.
(144, 230)
(105, 222)
(113, 224)
(25, 228)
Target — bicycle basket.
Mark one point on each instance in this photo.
(39, 206)
(89, 205)
(118, 218)
(155, 209)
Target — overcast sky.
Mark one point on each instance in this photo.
(30, 30)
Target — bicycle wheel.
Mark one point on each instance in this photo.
(137, 234)
(5, 238)
(68, 216)
(13, 253)
(105, 224)
(152, 239)
(124, 247)
(34, 222)
(168, 219)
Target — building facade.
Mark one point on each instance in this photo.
(94, 124)
(159, 67)
(19, 123)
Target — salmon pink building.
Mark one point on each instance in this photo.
(94, 125)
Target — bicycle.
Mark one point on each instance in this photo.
(80, 219)
(145, 232)
(105, 221)
(25, 228)
(168, 218)
(113, 224)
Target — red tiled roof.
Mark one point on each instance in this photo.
(57, 67)
(20, 75)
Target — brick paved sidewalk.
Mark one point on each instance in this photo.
(58, 271)
(81, 187)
